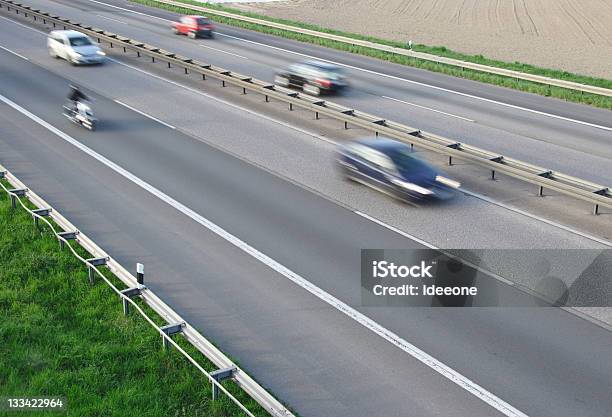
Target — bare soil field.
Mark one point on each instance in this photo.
(572, 35)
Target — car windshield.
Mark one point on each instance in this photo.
(203, 21)
(334, 75)
(409, 165)
(80, 41)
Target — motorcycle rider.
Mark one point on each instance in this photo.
(75, 96)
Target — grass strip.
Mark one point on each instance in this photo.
(59, 336)
(498, 80)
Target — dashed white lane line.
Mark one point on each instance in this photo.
(567, 119)
(331, 141)
(227, 103)
(14, 53)
(385, 75)
(360, 318)
(113, 20)
(221, 50)
(428, 108)
(144, 114)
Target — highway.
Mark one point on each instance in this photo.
(468, 111)
(256, 179)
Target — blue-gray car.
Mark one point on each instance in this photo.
(393, 168)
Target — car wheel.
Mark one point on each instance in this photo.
(192, 35)
(312, 89)
(282, 81)
(211, 35)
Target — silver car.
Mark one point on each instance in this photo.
(75, 47)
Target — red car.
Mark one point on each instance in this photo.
(194, 26)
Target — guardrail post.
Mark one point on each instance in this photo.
(67, 236)
(220, 375)
(14, 193)
(40, 212)
(140, 273)
(170, 330)
(129, 293)
(91, 263)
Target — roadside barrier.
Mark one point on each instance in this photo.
(540, 79)
(136, 288)
(545, 179)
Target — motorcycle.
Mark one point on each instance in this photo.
(81, 114)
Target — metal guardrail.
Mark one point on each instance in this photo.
(596, 194)
(570, 85)
(176, 324)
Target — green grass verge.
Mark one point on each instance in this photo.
(59, 336)
(527, 86)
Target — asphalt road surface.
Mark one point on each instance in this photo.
(541, 361)
(571, 138)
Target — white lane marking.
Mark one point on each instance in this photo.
(14, 53)
(226, 103)
(131, 11)
(365, 321)
(423, 84)
(331, 141)
(114, 20)
(538, 218)
(428, 108)
(334, 142)
(567, 119)
(144, 114)
(22, 25)
(221, 50)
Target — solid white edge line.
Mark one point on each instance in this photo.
(538, 218)
(428, 108)
(316, 136)
(14, 53)
(567, 119)
(144, 114)
(365, 321)
(22, 25)
(227, 103)
(384, 75)
(131, 11)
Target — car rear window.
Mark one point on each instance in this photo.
(80, 41)
(201, 21)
